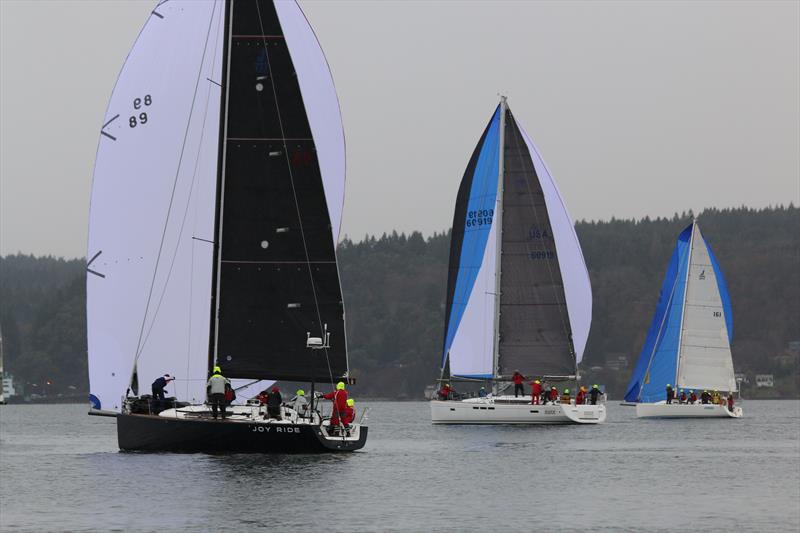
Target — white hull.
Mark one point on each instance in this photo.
(676, 410)
(507, 410)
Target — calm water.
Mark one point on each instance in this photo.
(60, 471)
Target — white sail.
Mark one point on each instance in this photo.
(705, 360)
(472, 351)
(152, 208)
(321, 104)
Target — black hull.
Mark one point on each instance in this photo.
(151, 433)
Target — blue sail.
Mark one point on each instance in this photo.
(657, 365)
(472, 224)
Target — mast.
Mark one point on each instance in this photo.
(685, 292)
(223, 146)
(498, 220)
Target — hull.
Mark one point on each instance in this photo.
(153, 433)
(491, 411)
(697, 410)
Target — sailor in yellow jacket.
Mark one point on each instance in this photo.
(216, 391)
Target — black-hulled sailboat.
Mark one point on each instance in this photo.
(215, 212)
(518, 293)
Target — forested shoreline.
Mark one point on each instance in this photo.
(394, 289)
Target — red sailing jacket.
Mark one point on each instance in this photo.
(518, 378)
(339, 399)
(537, 389)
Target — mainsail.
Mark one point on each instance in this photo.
(688, 343)
(216, 203)
(520, 301)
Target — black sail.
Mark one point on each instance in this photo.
(277, 272)
(535, 335)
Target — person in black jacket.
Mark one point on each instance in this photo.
(159, 385)
(274, 401)
(670, 393)
(593, 394)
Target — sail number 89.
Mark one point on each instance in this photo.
(141, 118)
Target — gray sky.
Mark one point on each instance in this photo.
(638, 108)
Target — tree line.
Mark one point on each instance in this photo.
(394, 289)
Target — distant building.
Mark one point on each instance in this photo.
(794, 347)
(765, 380)
(741, 377)
(8, 386)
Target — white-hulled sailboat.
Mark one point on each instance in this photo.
(688, 344)
(518, 295)
(215, 212)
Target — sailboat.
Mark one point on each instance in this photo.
(518, 292)
(688, 343)
(2, 372)
(215, 212)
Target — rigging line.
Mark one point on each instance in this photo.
(291, 180)
(566, 329)
(174, 187)
(220, 17)
(185, 213)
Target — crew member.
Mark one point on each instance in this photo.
(300, 404)
(216, 391)
(593, 394)
(566, 398)
(670, 393)
(518, 380)
(482, 392)
(274, 401)
(692, 397)
(580, 399)
(704, 397)
(159, 384)
(553, 395)
(339, 399)
(349, 412)
(536, 392)
(444, 392)
(682, 397)
(263, 396)
(730, 401)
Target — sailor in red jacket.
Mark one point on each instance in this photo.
(730, 402)
(518, 379)
(339, 399)
(580, 399)
(554, 395)
(536, 392)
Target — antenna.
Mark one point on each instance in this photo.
(319, 343)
